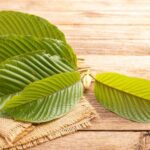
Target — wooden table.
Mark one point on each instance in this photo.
(112, 35)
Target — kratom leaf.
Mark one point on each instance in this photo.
(129, 97)
(47, 99)
(18, 23)
(4, 99)
(16, 45)
(18, 72)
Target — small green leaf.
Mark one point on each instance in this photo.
(47, 99)
(129, 97)
(18, 23)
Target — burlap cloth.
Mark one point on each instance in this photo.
(18, 135)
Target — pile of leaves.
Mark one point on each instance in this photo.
(39, 80)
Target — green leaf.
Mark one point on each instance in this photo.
(46, 99)
(16, 45)
(129, 97)
(18, 23)
(4, 99)
(18, 72)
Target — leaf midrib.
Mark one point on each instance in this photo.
(45, 95)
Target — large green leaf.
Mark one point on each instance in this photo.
(127, 96)
(46, 99)
(4, 99)
(19, 71)
(18, 23)
(17, 45)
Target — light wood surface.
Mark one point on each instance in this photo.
(111, 35)
(97, 141)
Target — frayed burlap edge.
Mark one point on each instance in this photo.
(23, 133)
(12, 130)
(79, 121)
(69, 130)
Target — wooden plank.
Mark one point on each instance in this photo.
(138, 66)
(95, 141)
(147, 141)
(77, 5)
(102, 32)
(111, 47)
(95, 17)
(130, 65)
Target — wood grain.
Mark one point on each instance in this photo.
(77, 5)
(96, 141)
(95, 18)
(103, 32)
(111, 47)
(138, 66)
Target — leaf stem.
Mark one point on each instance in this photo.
(92, 76)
